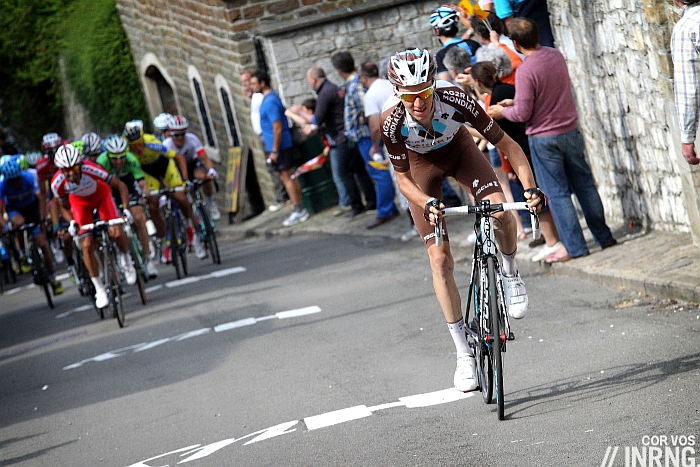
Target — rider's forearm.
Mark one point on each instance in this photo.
(182, 165)
(518, 160)
(410, 189)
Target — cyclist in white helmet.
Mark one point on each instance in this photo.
(82, 186)
(199, 165)
(160, 123)
(92, 146)
(423, 128)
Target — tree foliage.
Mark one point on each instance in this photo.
(99, 65)
(34, 34)
(29, 74)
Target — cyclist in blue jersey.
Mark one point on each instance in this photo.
(19, 201)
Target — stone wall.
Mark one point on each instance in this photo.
(619, 60)
(217, 38)
(618, 56)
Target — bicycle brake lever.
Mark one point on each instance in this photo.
(535, 221)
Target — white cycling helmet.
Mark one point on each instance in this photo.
(133, 131)
(411, 67)
(178, 123)
(67, 156)
(51, 141)
(33, 157)
(115, 144)
(92, 143)
(443, 18)
(161, 121)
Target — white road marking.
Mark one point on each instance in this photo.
(80, 309)
(154, 288)
(337, 416)
(11, 291)
(196, 333)
(298, 312)
(225, 272)
(325, 420)
(61, 277)
(185, 281)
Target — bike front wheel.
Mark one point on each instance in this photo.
(116, 302)
(496, 325)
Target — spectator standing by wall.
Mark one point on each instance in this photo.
(278, 143)
(359, 137)
(685, 50)
(544, 101)
(256, 98)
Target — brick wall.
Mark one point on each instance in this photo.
(617, 52)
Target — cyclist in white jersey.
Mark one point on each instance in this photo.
(423, 128)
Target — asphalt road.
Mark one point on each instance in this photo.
(326, 351)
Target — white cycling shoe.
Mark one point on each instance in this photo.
(151, 270)
(516, 295)
(465, 375)
(101, 300)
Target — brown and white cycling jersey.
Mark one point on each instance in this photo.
(453, 108)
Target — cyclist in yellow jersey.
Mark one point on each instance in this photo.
(160, 164)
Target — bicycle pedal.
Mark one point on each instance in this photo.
(511, 336)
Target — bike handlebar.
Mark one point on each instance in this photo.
(488, 209)
(108, 223)
(164, 191)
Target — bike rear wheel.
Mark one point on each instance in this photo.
(183, 244)
(495, 324)
(209, 235)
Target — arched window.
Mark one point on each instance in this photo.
(160, 92)
(200, 101)
(227, 109)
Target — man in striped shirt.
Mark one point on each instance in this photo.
(685, 50)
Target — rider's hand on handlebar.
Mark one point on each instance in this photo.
(73, 228)
(431, 211)
(534, 198)
(212, 173)
(189, 185)
(128, 216)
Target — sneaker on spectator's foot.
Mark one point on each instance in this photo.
(73, 274)
(199, 249)
(165, 257)
(296, 218)
(409, 234)
(101, 300)
(516, 295)
(56, 287)
(275, 207)
(190, 235)
(465, 375)
(151, 270)
(213, 209)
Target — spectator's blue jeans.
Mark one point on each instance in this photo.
(561, 169)
(343, 176)
(383, 184)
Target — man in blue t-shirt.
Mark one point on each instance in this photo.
(18, 199)
(278, 143)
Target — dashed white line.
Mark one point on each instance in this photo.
(196, 333)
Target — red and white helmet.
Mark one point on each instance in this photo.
(51, 141)
(411, 67)
(67, 156)
(178, 123)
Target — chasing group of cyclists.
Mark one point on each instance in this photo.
(73, 183)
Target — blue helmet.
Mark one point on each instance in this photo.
(11, 169)
(445, 20)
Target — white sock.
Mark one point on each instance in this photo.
(459, 336)
(509, 267)
(98, 284)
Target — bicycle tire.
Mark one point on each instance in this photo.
(484, 369)
(495, 328)
(137, 257)
(115, 292)
(209, 235)
(41, 274)
(183, 244)
(174, 243)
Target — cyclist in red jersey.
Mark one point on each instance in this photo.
(83, 186)
(45, 170)
(423, 128)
